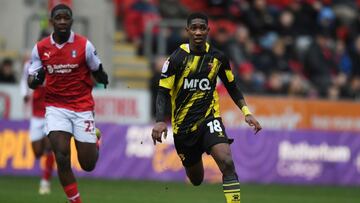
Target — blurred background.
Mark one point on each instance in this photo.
(297, 61)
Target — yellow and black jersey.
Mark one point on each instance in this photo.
(191, 79)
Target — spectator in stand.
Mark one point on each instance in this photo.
(259, 19)
(320, 64)
(333, 93)
(343, 58)
(7, 73)
(352, 90)
(326, 20)
(287, 31)
(241, 46)
(221, 40)
(297, 86)
(218, 8)
(247, 79)
(354, 28)
(274, 84)
(285, 26)
(289, 45)
(304, 15)
(175, 38)
(273, 58)
(139, 14)
(355, 56)
(172, 9)
(199, 5)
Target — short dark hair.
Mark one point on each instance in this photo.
(193, 16)
(58, 7)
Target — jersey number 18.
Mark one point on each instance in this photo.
(214, 126)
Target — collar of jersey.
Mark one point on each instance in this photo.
(70, 40)
(186, 47)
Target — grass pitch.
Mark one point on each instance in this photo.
(24, 189)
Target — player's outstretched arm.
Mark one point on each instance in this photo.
(160, 127)
(158, 131)
(101, 76)
(239, 100)
(249, 118)
(234, 91)
(37, 79)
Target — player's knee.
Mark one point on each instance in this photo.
(88, 167)
(197, 179)
(87, 164)
(196, 182)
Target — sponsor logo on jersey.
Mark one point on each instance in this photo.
(61, 68)
(73, 53)
(50, 69)
(165, 66)
(47, 54)
(196, 83)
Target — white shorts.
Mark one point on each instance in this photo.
(80, 124)
(37, 129)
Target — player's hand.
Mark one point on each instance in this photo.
(38, 79)
(101, 76)
(104, 79)
(249, 119)
(159, 129)
(40, 76)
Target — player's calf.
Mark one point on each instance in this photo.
(38, 149)
(227, 166)
(231, 187)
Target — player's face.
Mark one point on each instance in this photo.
(62, 21)
(198, 31)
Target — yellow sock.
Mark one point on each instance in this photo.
(232, 197)
(231, 187)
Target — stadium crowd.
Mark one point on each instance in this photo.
(7, 73)
(302, 48)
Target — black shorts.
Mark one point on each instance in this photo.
(190, 147)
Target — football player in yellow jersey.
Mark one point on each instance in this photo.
(188, 81)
